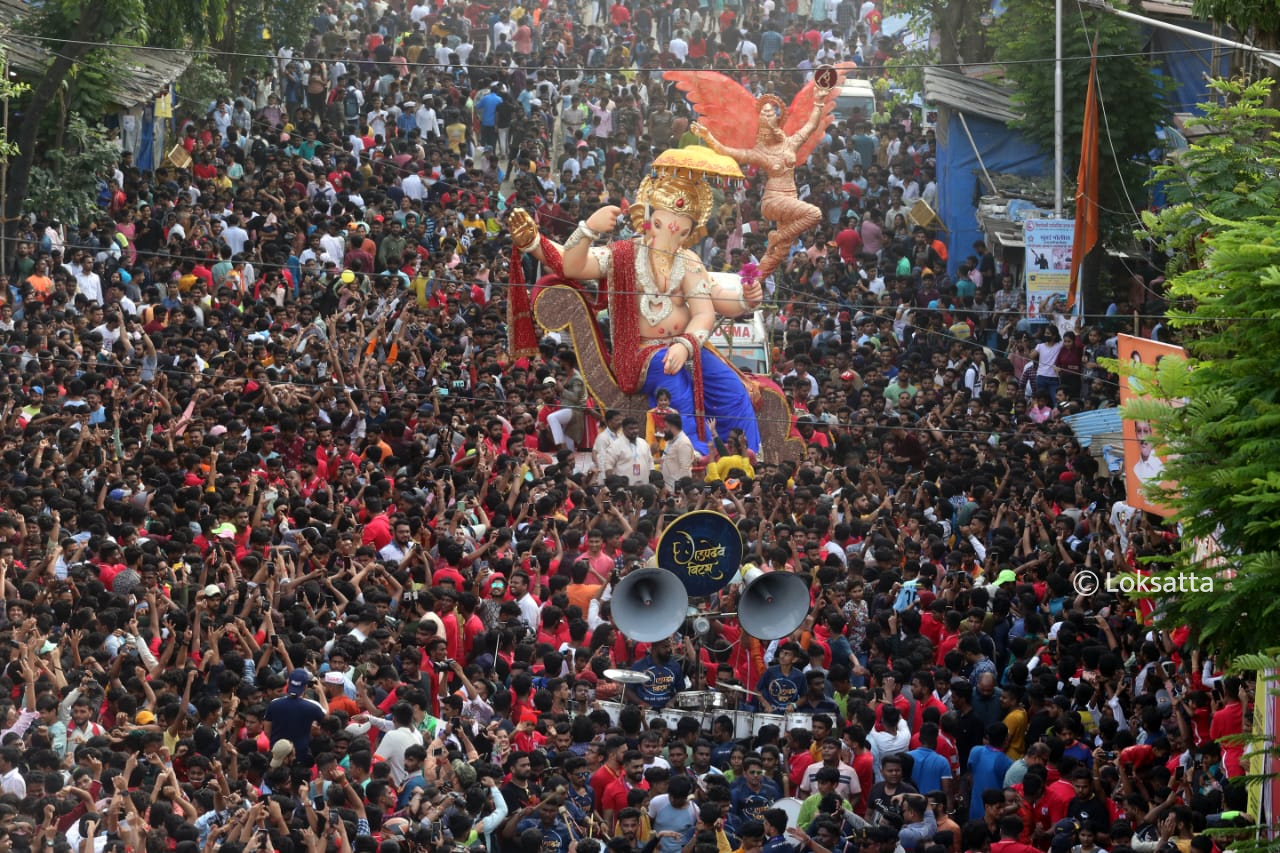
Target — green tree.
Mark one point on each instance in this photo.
(1128, 86)
(253, 29)
(960, 27)
(185, 23)
(71, 30)
(1220, 447)
(1259, 18)
(66, 185)
(1229, 171)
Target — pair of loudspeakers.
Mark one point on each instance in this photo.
(651, 604)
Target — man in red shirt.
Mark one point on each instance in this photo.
(1010, 827)
(848, 240)
(377, 530)
(611, 770)
(1058, 795)
(922, 691)
(615, 795)
(1229, 720)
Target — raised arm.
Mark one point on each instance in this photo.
(742, 155)
(819, 105)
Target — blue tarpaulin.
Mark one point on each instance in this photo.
(1187, 62)
(960, 182)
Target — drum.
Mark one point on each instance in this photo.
(791, 806)
(798, 721)
(672, 717)
(701, 700)
(742, 724)
(614, 710)
(759, 721)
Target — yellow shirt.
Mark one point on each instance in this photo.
(720, 469)
(1016, 722)
(457, 136)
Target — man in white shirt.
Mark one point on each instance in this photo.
(428, 126)
(333, 244)
(413, 187)
(392, 747)
(11, 781)
(88, 282)
(679, 47)
(678, 454)
(235, 236)
(611, 433)
(630, 457)
(418, 14)
(890, 737)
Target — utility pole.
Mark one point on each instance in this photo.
(1057, 109)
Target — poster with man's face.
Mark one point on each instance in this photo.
(1143, 462)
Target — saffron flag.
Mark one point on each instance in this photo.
(1086, 230)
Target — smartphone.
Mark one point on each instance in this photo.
(271, 640)
(455, 723)
(1170, 669)
(437, 752)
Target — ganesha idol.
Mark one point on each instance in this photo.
(662, 305)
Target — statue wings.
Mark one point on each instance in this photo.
(730, 112)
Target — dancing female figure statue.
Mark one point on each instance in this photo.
(778, 141)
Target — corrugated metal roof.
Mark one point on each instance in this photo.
(976, 97)
(140, 73)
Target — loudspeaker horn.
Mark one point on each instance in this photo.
(773, 604)
(649, 605)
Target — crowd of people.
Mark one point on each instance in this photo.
(297, 557)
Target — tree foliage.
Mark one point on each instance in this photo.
(1258, 17)
(1230, 171)
(8, 91)
(1130, 94)
(958, 24)
(200, 84)
(66, 185)
(243, 39)
(185, 23)
(71, 31)
(1220, 447)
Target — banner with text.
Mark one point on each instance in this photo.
(1048, 263)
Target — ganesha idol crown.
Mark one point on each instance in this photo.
(679, 182)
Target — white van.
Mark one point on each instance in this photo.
(854, 96)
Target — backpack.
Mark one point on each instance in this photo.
(351, 104)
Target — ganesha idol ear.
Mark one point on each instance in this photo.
(695, 236)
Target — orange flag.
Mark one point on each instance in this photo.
(1086, 230)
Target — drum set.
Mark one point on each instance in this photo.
(705, 706)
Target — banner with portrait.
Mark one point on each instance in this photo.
(1048, 264)
(1143, 453)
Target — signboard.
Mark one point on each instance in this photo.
(1143, 462)
(703, 549)
(1048, 264)
(744, 342)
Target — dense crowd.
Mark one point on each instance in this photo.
(297, 557)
